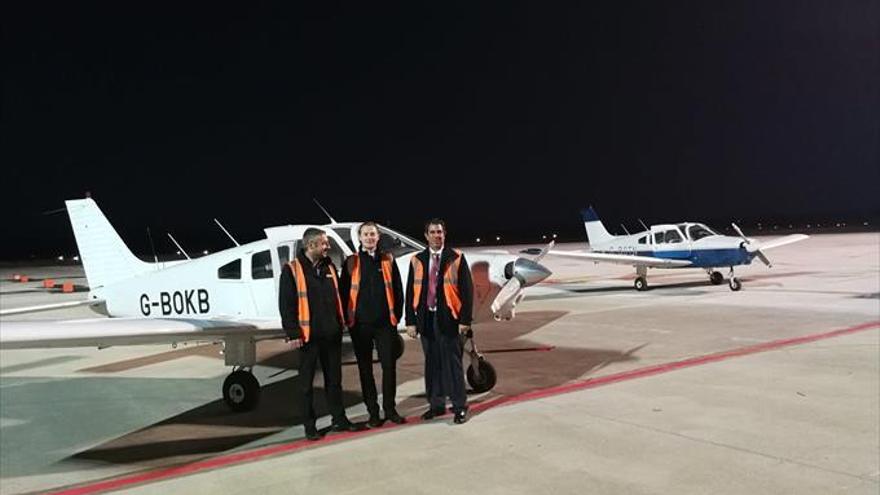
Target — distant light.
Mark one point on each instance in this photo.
(554, 236)
(818, 225)
(76, 258)
(865, 224)
(790, 225)
(178, 253)
(776, 227)
(61, 258)
(478, 239)
(205, 251)
(497, 237)
(808, 226)
(837, 224)
(544, 237)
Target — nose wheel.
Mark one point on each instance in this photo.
(733, 282)
(241, 390)
(480, 373)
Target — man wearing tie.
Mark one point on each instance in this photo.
(439, 308)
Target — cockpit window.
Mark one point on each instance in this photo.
(698, 231)
(344, 233)
(230, 271)
(643, 239)
(672, 236)
(261, 265)
(396, 244)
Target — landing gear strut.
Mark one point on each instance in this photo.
(241, 390)
(480, 373)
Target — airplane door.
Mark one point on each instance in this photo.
(261, 271)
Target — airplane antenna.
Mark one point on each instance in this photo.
(332, 220)
(643, 224)
(624, 229)
(178, 245)
(226, 232)
(152, 246)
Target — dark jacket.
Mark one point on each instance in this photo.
(372, 306)
(323, 317)
(446, 321)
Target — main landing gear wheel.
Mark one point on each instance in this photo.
(641, 284)
(716, 278)
(397, 346)
(241, 391)
(483, 378)
(735, 284)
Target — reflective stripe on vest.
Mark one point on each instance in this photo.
(355, 270)
(302, 292)
(450, 283)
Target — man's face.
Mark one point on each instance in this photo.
(435, 236)
(369, 237)
(319, 247)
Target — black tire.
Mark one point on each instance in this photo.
(397, 346)
(241, 391)
(641, 284)
(716, 278)
(487, 376)
(735, 284)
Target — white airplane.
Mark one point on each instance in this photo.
(682, 245)
(230, 296)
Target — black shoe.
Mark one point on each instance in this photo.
(346, 426)
(395, 418)
(460, 417)
(312, 433)
(375, 421)
(432, 413)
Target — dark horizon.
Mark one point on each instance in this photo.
(510, 119)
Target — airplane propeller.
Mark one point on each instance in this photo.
(752, 246)
(521, 273)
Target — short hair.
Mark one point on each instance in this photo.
(311, 234)
(367, 224)
(435, 221)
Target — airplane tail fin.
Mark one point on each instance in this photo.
(596, 233)
(105, 258)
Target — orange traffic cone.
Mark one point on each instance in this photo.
(23, 278)
(48, 283)
(67, 287)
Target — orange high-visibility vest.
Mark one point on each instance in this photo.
(450, 283)
(302, 292)
(355, 269)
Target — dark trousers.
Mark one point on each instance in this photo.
(364, 337)
(329, 352)
(444, 376)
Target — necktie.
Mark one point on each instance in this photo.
(433, 272)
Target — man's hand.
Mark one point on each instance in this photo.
(296, 343)
(411, 331)
(463, 329)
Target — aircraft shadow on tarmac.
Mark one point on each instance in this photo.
(522, 366)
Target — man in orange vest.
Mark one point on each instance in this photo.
(372, 299)
(311, 315)
(439, 308)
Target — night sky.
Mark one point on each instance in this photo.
(500, 118)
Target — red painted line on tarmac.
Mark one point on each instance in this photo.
(264, 452)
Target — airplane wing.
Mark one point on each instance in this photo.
(50, 307)
(105, 332)
(622, 259)
(782, 241)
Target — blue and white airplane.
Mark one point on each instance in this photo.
(681, 245)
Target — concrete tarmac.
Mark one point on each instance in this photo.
(686, 388)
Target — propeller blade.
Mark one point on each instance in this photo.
(544, 251)
(763, 258)
(507, 294)
(740, 232)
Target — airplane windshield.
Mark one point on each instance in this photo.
(699, 231)
(396, 244)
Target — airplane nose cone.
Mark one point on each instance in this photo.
(529, 272)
